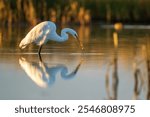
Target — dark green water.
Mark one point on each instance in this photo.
(102, 72)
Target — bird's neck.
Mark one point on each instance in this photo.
(61, 38)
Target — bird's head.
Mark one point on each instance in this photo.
(75, 35)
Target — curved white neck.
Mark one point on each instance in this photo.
(59, 38)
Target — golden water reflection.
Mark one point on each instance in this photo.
(120, 60)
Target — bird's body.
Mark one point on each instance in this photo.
(44, 32)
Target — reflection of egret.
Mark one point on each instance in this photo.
(44, 32)
(43, 75)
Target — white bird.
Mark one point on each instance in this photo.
(45, 31)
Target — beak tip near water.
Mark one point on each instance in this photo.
(81, 45)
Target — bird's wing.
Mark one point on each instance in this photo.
(39, 33)
(36, 34)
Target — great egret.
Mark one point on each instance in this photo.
(45, 31)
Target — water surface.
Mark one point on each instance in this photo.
(104, 71)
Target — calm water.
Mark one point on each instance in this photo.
(104, 71)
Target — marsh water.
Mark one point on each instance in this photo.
(103, 71)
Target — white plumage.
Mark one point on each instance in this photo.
(44, 32)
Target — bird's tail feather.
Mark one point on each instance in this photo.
(23, 44)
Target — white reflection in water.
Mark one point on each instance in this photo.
(43, 75)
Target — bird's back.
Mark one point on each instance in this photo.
(37, 33)
(41, 30)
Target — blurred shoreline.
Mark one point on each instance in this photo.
(76, 12)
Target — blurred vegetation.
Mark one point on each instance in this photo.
(74, 11)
